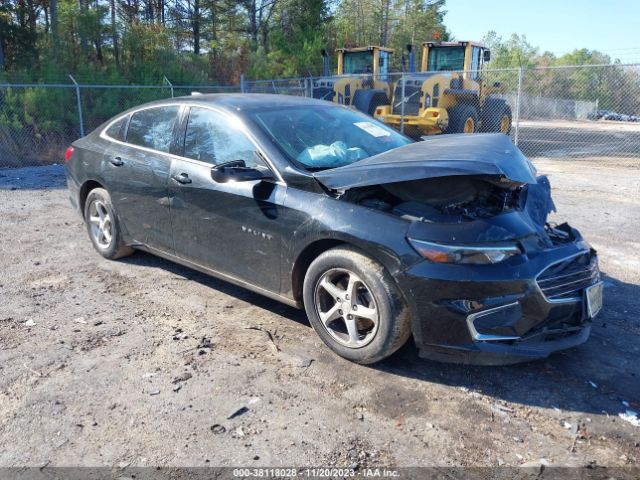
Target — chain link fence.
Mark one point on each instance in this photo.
(554, 112)
(39, 121)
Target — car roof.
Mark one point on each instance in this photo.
(244, 101)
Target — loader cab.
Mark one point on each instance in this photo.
(467, 57)
(371, 60)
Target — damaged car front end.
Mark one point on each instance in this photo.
(495, 282)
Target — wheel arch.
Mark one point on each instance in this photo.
(315, 248)
(86, 187)
(304, 259)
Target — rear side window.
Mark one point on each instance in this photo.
(153, 127)
(116, 130)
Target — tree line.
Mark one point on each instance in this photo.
(215, 41)
(191, 41)
(572, 75)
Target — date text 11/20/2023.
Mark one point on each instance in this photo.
(315, 473)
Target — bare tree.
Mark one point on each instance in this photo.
(195, 25)
(114, 33)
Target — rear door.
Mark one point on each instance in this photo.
(235, 227)
(138, 175)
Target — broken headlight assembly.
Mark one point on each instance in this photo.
(464, 254)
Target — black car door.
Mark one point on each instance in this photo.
(138, 172)
(234, 227)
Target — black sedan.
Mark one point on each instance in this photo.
(377, 237)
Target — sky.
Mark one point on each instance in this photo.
(560, 26)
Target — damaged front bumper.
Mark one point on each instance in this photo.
(521, 309)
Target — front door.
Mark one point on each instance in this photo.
(235, 227)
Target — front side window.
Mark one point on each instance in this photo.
(153, 128)
(213, 138)
(446, 59)
(318, 137)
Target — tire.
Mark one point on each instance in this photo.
(367, 101)
(496, 116)
(380, 323)
(506, 117)
(102, 225)
(459, 116)
(378, 100)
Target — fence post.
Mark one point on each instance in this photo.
(242, 83)
(79, 105)
(401, 105)
(168, 83)
(518, 101)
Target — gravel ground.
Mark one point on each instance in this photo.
(141, 362)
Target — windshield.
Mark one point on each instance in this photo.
(357, 62)
(317, 137)
(446, 58)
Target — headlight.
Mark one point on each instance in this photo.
(439, 253)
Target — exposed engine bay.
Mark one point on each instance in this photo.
(443, 199)
(461, 199)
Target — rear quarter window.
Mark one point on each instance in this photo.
(153, 127)
(117, 129)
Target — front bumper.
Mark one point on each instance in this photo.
(499, 314)
(430, 122)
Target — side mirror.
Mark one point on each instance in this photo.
(486, 56)
(237, 171)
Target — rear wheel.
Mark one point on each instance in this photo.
(102, 225)
(354, 306)
(496, 116)
(462, 119)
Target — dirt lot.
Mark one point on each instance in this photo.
(142, 362)
(578, 138)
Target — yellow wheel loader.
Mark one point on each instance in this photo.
(362, 79)
(447, 95)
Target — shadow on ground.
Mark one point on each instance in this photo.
(595, 377)
(149, 260)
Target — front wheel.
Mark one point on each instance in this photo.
(463, 119)
(354, 306)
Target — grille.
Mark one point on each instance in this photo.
(412, 97)
(569, 278)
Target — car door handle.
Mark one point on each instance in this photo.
(116, 161)
(182, 178)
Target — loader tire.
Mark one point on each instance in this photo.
(463, 119)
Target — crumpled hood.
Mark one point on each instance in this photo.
(441, 156)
